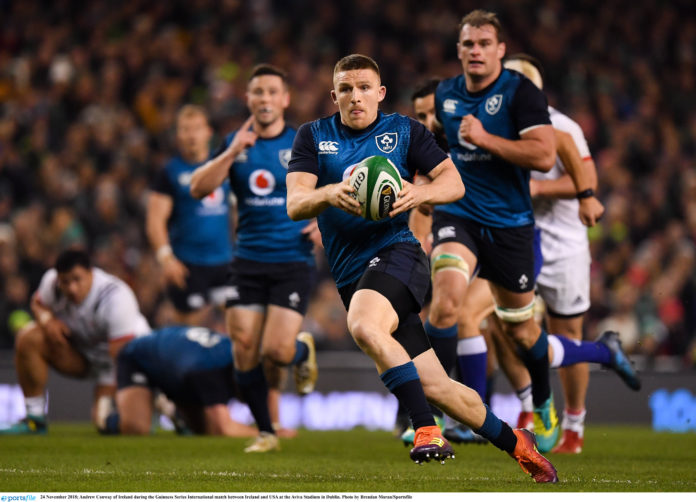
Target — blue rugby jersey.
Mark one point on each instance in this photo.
(497, 191)
(329, 149)
(199, 230)
(265, 233)
(170, 356)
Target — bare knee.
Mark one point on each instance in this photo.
(30, 340)
(242, 338)
(364, 334)
(278, 354)
(133, 427)
(443, 311)
(525, 334)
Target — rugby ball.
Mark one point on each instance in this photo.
(377, 183)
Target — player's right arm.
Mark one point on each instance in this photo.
(304, 199)
(159, 209)
(218, 422)
(54, 329)
(210, 175)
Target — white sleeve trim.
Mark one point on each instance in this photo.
(527, 129)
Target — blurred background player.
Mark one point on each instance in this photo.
(191, 237)
(379, 267)
(564, 281)
(477, 305)
(83, 318)
(192, 366)
(273, 268)
(498, 129)
(419, 222)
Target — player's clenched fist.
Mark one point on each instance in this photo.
(471, 130)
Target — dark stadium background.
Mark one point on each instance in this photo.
(89, 91)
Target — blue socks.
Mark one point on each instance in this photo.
(403, 381)
(254, 389)
(497, 432)
(472, 356)
(444, 343)
(301, 353)
(567, 351)
(536, 359)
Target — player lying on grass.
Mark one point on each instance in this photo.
(193, 367)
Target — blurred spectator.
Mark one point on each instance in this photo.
(89, 92)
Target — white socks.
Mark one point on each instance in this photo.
(36, 406)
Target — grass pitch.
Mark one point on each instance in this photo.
(74, 458)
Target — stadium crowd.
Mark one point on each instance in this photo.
(89, 94)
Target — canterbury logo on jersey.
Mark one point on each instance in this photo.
(449, 106)
(446, 232)
(328, 147)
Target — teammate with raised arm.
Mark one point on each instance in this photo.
(379, 267)
(84, 316)
(273, 267)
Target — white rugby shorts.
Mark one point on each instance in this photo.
(564, 285)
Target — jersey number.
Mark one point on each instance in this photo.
(203, 337)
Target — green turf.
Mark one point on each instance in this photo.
(74, 458)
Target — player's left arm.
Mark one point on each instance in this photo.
(535, 150)
(583, 172)
(426, 157)
(446, 186)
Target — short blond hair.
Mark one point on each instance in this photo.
(528, 66)
(191, 110)
(356, 62)
(480, 17)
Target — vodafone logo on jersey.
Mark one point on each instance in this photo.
(215, 199)
(262, 182)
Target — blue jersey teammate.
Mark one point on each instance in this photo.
(192, 366)
(379, 267)
(191, 237)
(273, 268)
(498, 129)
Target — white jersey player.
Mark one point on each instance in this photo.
(564, 202)
(564, 280)
(83, 318)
